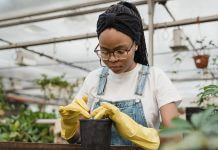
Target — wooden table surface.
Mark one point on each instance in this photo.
(40, 146)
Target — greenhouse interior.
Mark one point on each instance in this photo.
(49, 62)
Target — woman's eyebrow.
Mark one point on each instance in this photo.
(118, 47)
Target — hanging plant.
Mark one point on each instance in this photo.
(201, 61)
(201, 56)
(57, 87)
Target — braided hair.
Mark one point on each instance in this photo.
(125, 18)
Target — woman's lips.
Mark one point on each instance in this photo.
(115, 67)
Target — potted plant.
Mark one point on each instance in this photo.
(200, 57)
(207, 97)
(57, 87)
(95, 134)
(200, 133)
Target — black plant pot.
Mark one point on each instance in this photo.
(95, 134)
(192, 110)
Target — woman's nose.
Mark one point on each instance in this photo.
(112, 58)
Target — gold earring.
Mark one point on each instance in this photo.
(136, 48)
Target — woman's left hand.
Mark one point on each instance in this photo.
(146, 138)
(106, 110)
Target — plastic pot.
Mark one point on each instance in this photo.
(192, 110)
(95, 134)
(201, 61)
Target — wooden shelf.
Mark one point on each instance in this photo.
(40, 146)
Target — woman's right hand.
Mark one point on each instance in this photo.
(70, 116)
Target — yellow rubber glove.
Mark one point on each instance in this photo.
(146, 138)
(70, 116)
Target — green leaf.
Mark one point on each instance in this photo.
(13, 134)
(194, 141)
(173, 131)
(201, 118)
(210, 125)
(181, 123)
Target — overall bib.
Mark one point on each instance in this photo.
(131, 107)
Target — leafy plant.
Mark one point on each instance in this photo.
(178, 58)
(215, 60)
(2, 96)
(214, 66)
(206, 94)
(55, 81)
(23, 128)
(200, 134)
(202, 45)
(4, 105)
(56, 87)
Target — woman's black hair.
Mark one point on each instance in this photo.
(129, 10)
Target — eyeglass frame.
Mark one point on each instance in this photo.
(127, 50)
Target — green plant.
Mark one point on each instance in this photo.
(55, 81)
(206, 94)
(4, 105)
(202, 45)
(199, 134)
(178, 58)
(56, 87)
(2, 95)
(23, 128)
(215, 60)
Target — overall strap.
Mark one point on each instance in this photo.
(102, 81)
(142, 76)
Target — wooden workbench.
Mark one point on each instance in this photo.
(40, 146)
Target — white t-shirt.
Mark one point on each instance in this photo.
(158, 90)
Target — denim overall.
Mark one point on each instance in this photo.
(131, 107)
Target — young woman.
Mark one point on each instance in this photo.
(127, 90)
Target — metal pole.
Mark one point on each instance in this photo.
(151, 31)
(189, 21)
(55, 10)
(50, 57)
(92, 35)
(49, 64)
(49, 41)
(193, 79)
(69, 14)
(36, 100)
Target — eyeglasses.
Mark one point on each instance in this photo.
(118, 54)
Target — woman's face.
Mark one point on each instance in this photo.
(111, 40)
